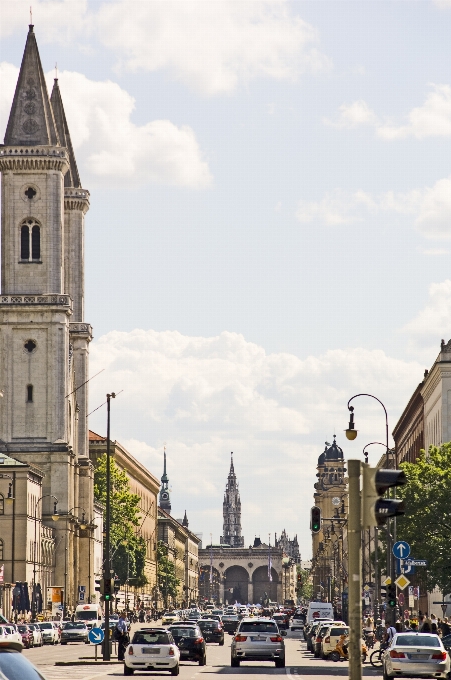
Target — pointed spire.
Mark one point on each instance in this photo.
(185, 521)
(232, 469)
(31, 121)
(165, 478)
(71, 178)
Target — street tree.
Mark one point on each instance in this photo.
(167, 580)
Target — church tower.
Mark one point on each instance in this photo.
(231, 509)
(165, 497)
(44, 339)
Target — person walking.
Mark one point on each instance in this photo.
(122, 637)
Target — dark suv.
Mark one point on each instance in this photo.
(190, 641)
(212, 631)
(230, 622)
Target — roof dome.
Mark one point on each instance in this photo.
(334, 452)
(322, 458)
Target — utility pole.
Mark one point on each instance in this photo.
(355, 571)
(107, 561)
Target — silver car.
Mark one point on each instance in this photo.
(416, 655)
(258, 640)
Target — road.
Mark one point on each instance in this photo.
(299, 664)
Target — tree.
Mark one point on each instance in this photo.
(167, 581)
(304, 585)
(128, 547)
(426, 526)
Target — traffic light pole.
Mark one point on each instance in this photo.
(107, 561)
(355, 571)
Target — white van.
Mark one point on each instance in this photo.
(320, 610)
(91, 614)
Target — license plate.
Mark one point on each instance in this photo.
(150, 650)
(258, 638)
(419, 656)
(184, 652)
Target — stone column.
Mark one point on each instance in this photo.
(250, 592)
(221, 591)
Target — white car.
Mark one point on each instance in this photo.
(37, 634)
(412, 654)
(49, 632)
(11, 633)
(168, 618)
(152, 649)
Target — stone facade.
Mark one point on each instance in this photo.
(183, 548)
(44, 340)
(289, 546)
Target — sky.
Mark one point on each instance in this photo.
(269, 231)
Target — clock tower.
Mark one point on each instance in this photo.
(165, 498)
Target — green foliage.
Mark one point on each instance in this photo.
(304, 588)
(427, 522)
(166, 578)
(128, 547)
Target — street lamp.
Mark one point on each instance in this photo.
(55, 517)
(107, 568)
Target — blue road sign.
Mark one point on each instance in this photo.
(405, 567)
(401, 550)
(96, 636)
(417, 563)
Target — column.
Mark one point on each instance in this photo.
(250, 592)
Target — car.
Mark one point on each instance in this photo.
(37, 634)
(212, 630)
(412, 654)
(331, 637)
(168, 618)
(76, 631)
(258, 640)
(230, 622)
(14, 665)
(152, 649)
(215, 617)
(27, 636)
(313, 631)
(11, 633)
(282, 620)
(297, 622)
(446, 641)
(190, 641)
(218, 612)
(49, 632)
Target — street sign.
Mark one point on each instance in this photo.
(411, 602)
(402, 582)
(401, 600)
(366, 588)
(404, 567)
(96, 636)
(81, 596)
(387, 581)
(401, 550)
(416, 563)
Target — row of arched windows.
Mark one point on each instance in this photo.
(30, 241)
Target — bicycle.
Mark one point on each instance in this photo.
(376, 656)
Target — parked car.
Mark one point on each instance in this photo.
(258, 640)
(76, 631)
(415, 655)
(152, 649)
(230, 622)
(14, 665)
(37, 634)
(212, 630)
(191, 643)
(49, 631)
(317, 640)
(27, 636)
(11, 633)
(331, 637)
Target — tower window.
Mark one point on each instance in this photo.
(1, 549)
(30, 346)
(30, 193)
(30, 241)
(29, 393)
(2, 504)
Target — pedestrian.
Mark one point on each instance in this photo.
(445, 627)
(427, 626)
(121, 637)
(389, 635)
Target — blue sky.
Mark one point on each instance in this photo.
(269, 230)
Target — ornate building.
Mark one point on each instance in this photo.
(231, 509)
(44, 340)
(290, 547)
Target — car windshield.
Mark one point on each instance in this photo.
(87, 616)
(230, 618)
(417, 641)
(45, 626)
(141, 638)
(339, 631)
(14, 666)
(184, 632)
(258, 627)
(23, 629)
(207, 624)
(74, 625)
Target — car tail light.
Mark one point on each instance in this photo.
(130, 650)
(326, 640)
(318, 639)
(276, 639)
(397, 655)
(240, 638)
(440, 656)
(198, 641)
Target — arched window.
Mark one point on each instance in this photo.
(1, 549)
(30, 241)
(25, 242)
(2, 504)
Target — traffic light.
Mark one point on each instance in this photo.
(391, 595)
(315, 519)
(300, 578)
(117, 585)
(107, 588)
(375, 509)
(98, 585)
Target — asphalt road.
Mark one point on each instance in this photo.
(299, 664)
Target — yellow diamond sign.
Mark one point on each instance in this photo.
(387, 581)
(402, 582)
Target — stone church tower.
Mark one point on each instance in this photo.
(44, 340)
(165, 494)
(232, 512)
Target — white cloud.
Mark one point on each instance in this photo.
(206, 397)
(429, 208)
(432, 323)
(55, 20)
(211, 46)
(108, 144)
(351, 115)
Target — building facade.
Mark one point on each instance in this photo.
(289, 546)
(183, 552)
(44, 338)
(231, 509)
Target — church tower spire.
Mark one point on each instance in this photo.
(232, 511)
(165, 498)
(31, 120)
(71, 178)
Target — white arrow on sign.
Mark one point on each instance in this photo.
(97, 636)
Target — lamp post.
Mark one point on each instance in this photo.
(55, 517)
(107, 562)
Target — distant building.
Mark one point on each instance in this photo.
(290, 547)
(231, 509)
